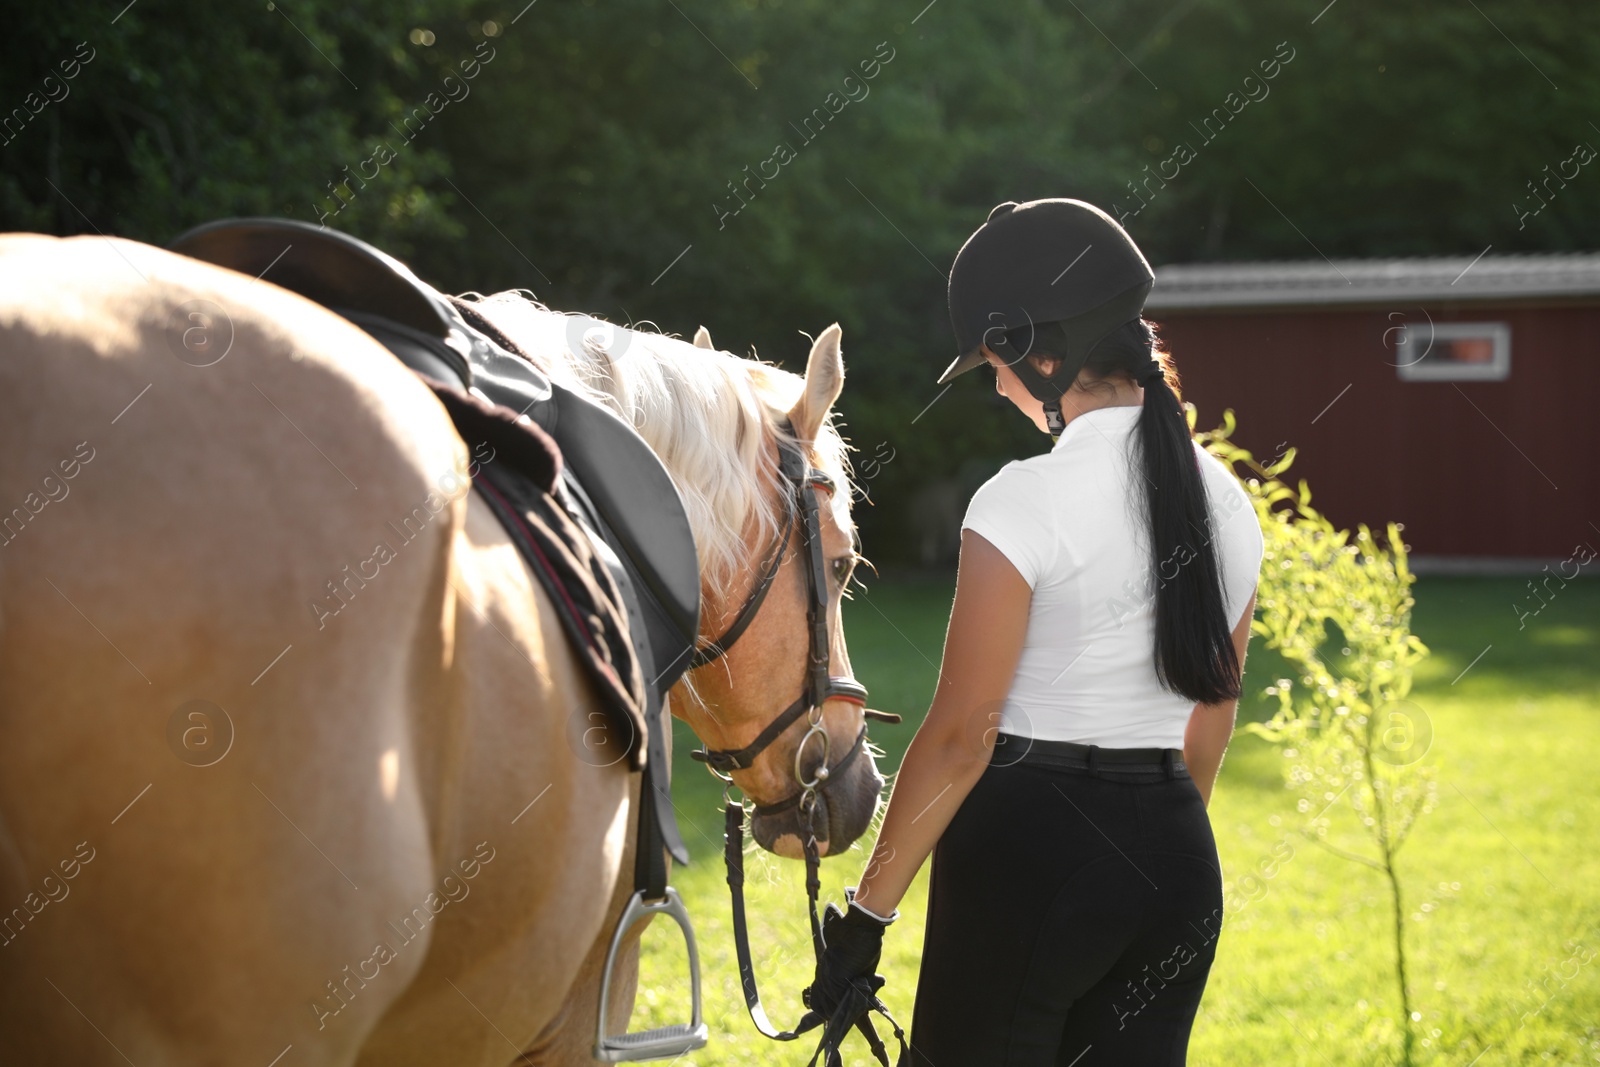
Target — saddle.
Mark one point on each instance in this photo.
(579, 492)
(636, 509)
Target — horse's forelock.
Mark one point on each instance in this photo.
(709, 415)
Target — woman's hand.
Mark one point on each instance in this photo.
(844, 992)
(853, 944)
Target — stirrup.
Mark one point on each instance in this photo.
(663, 1042)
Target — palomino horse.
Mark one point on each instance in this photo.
(285, 779)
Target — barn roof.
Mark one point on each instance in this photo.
(1319, 282)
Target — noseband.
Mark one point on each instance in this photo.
(819, 687)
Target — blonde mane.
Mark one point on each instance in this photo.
(709, 415)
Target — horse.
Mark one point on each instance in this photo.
(296, 765)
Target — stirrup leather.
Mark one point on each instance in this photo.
(663, 1042)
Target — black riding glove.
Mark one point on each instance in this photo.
(852, 944)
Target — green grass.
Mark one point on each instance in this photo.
(1499, 880)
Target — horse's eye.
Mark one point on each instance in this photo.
(842, 568)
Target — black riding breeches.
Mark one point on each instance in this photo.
(1073, 916)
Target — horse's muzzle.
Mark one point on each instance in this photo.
(845, 806)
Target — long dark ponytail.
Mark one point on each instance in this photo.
(1194, 653)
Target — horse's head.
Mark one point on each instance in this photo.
(757, 461)
(792, 738)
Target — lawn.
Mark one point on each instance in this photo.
(1499, 879)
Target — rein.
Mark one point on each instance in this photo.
(819, 687)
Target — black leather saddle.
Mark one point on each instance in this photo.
(610, 482)
(636, 507)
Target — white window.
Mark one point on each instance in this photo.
(1454, 352)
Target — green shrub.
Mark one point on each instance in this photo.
(1337, 606)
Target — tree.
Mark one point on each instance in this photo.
(610, 157)
(1338, 607)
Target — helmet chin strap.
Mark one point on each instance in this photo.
(1047, 391)
(1053, 421)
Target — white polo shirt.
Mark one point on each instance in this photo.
(1071, 522)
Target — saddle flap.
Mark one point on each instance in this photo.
(642, 515)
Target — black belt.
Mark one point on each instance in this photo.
(1011, 749)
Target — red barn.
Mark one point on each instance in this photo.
(1450, 394)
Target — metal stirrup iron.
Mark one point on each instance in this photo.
(652, 897)
(664, 1042)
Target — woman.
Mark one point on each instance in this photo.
(1090, 678)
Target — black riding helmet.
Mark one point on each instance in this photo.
(1058, 276)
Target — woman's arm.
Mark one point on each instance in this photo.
(954, 743)
(1211, 725)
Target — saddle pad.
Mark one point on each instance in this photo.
(518, 481)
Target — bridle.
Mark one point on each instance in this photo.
(819, 687)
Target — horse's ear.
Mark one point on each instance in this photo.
(824, 380)
(702, 338)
